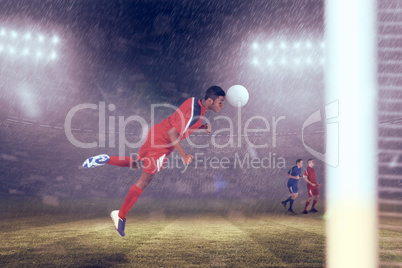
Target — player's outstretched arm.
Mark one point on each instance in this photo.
(292, 177)
(308, 181)
(174, 138)
(206, 127)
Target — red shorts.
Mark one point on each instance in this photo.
(154, 150)
(312, 191)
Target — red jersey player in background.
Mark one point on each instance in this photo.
(312, 186)
(161, 140)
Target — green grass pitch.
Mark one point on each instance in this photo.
(163, 234)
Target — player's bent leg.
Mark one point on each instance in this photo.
(307, 204)
(290, 210)
(95, 161)
(144, 180)
(119, 223)
(294, 196)
(121, 161)
(119, 216)
(313, 209)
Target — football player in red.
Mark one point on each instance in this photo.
(312, 186)
(161, 140)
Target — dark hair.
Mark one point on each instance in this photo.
(214, 92)
(298, 160)
(311, 159)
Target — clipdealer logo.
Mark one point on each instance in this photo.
(235, 136)
(331, 155)
(238, 133)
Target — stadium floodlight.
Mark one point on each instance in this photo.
(25, 52)
(11, 50)
(255, 45)
(53, 55)
(55, 39)
(270, 62)
(28, 36)
(25, 43)
(300, 57)
(13, 34)
(270, 46)
(255, 61)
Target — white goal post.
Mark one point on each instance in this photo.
(351, 78)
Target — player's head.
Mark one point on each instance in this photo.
(214, 98)
(310, 162)
(299, 162)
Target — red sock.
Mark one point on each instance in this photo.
(125, 161)
(307, 203)
(132, 197)
(314, 202)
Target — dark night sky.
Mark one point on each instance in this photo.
(187, 44)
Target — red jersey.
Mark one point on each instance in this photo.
(185, 120)
(310, 173)
(157, 145)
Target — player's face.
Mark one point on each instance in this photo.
(301, 163)
(311, 163)
(217, 105)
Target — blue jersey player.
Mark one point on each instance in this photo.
(294, 174)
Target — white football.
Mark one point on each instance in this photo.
(237, 96)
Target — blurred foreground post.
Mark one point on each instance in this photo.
(351, 186)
